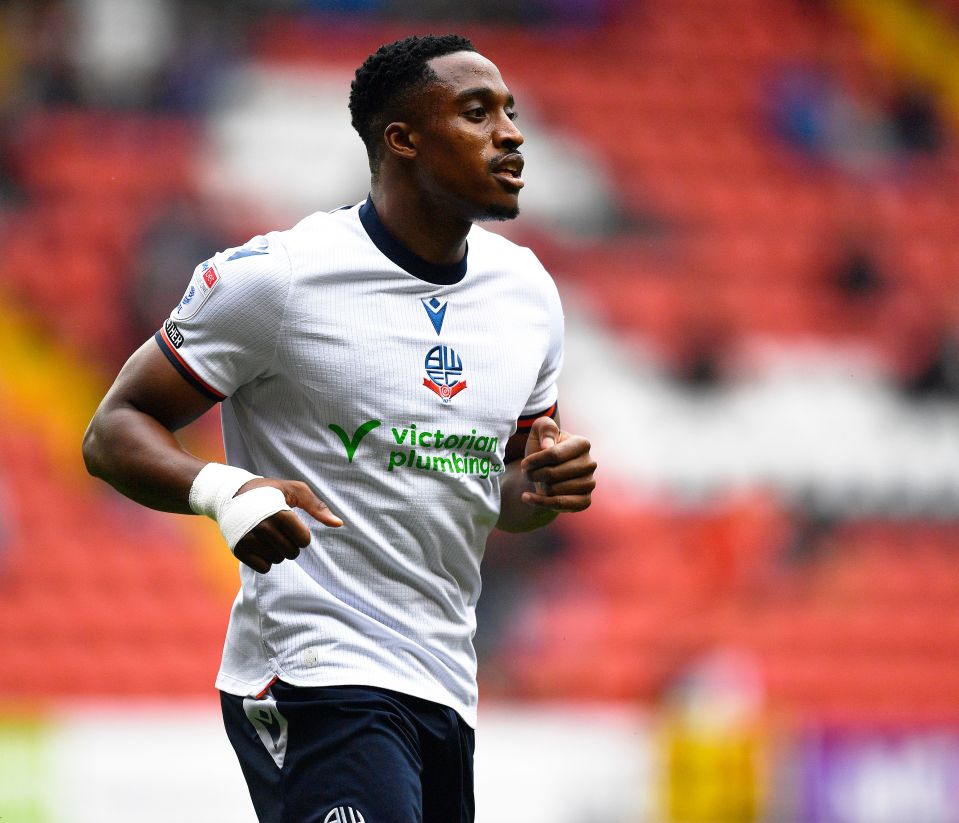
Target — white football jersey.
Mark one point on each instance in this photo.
(390, 385)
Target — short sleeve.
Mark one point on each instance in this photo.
(224, 332)
(543, 400)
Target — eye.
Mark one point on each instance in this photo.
(477, 113)
(512, 115)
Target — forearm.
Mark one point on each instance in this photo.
(515, 515)
(140, 458)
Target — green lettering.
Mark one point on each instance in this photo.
(481, 444)
(399, 438)
(396, 459)
(451, 442)
(440, 464)
(423, 436)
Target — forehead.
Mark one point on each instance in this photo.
(465, 70)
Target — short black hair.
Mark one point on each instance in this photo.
(386, 78)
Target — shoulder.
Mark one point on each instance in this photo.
(492, 250)
(323, 227)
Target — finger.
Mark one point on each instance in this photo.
(272, 532)
(560, 503)
(577, 487)
(582, 466)
(292, 528)
(252, 544)
(301, 496)
(568, 448)
(543, 432)
(254, 561)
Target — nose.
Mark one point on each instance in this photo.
(507, 135)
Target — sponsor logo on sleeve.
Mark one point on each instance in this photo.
(205, 277)
(173, 333)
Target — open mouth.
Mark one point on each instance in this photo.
(509, 170)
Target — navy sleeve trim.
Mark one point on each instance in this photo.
(526, 421)
(185, 371)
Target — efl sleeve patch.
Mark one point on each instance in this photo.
(204, 280)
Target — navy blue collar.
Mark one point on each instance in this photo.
(440, 274)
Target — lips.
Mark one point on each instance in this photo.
(509, 169)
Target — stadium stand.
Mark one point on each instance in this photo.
(733, 233)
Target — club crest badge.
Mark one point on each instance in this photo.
(444, 370)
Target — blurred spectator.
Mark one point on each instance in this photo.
(45, 33)
(176, 242)
(916, 121)
(938, 372)
(578, 12)
(714, 758)
(121, 46)
(862, 133)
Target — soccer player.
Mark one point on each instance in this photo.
(388, 370)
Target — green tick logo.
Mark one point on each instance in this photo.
(351, 443)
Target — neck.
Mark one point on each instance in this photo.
(422, 225)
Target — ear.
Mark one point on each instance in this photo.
(400, 140)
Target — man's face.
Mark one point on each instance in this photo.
(467, 144)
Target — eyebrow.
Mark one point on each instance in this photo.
(483, 91)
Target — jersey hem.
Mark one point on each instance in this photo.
(242, 688)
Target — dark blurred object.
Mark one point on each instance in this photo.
(940, 377)
(916, 121)
(857, 274)
(43, 30)
(936, 356)
(173, 245)
(578, 12)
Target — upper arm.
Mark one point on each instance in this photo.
(148, 383)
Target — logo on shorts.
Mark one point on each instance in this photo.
(344, 814)
(443, 371)
(270, 725)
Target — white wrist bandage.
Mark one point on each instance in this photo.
(212, 494)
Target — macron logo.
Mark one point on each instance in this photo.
(436, 311)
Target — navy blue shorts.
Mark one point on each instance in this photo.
(351, 754)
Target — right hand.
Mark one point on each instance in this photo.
(281, 536)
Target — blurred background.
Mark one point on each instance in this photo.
(750, 209)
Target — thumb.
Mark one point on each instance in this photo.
(543, 435)
(301, 496)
